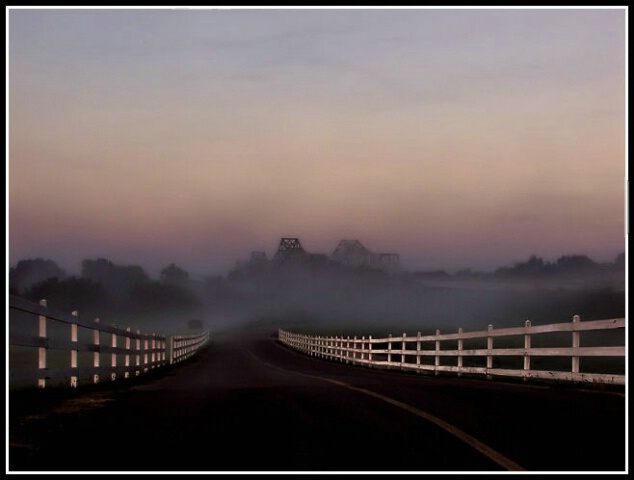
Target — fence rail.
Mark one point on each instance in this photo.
(424, 353)
(79, 351)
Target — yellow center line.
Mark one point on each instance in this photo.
(465, 437)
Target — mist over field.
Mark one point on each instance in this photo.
(323, 297)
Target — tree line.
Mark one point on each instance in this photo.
(103, 287)
(536, 266)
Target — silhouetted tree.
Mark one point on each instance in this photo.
(117, 280)
(70, 294)
(619, 262)
(533, 266)
(100, 268)
(31, 271)
(574, 263)
(174, 275)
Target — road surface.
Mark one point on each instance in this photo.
(249, 404)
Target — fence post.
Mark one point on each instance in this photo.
(73, 353)
(354, 349)
(341, 349)
(362, 348)
(370, 351)
(95, 355)
(153, 344)
(145, 355)
(389, 351)
(348, 349)
(418, 352)
(437, 357)
(575, 343)
(126, 361)
(489, 348)
(137, 349)
(403, 351)
(41, 351)
(113, 358)
(460, 345)
(527, 349)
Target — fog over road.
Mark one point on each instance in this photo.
(250, 404)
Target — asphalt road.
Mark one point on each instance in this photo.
(249, 404)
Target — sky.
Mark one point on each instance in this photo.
(457, 138)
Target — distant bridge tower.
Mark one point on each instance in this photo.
(390, 262)
(352, 254)
(289, 249)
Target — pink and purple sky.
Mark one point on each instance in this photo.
(458, 138)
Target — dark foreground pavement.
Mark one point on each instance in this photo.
(248, 404)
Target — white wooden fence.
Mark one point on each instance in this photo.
(48, 346)
(425, 353)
